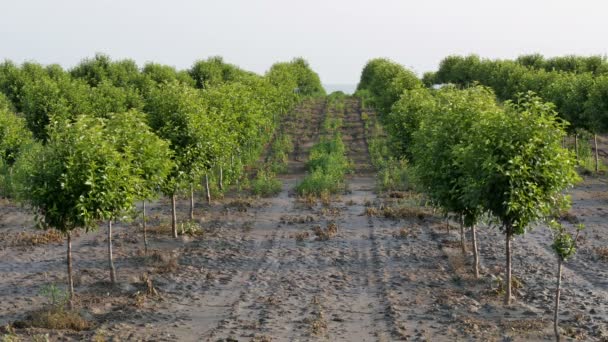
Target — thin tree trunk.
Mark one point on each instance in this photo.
(508, 267)
(207, 188)
(597, 159)
(173, 217)
(557, 295)
(145, 228)
(462, 237)
(576, 145)
(221, 181)
(475, 253)
(70, 277)
(191, 202)
(110, 256)
(447, 223)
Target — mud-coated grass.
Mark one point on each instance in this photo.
(55, 318)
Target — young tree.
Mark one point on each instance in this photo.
(148, 156)
(564, 246)
(178, 114)
(72, 181)
(519, 167)
(435, 145)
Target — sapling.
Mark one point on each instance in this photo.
(564, 246)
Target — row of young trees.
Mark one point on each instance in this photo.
(478, 158)
(578, 86)
(82, 146)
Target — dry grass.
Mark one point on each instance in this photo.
(403, 233)
(46, 237)
(150, 291)
(55, 318)
(291, 219)
(327, 233)
(372, 211)
(404, 212)
(602, 253)
(398, 212)
(318, 322)
(161, 229)
(330, 211)
(164, 262)
(239, 204)
(302, 236)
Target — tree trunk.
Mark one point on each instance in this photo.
(597, 159)
(462, 237)
(221, 181)
(207, 188)
(508, 267)
(475, 253)
(70, 277)
(576, 145)
(447, 224)
(191, 202)
(145, 228)
(110, 256)
(173, 217)
(557, 295)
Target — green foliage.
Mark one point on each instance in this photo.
(578, 86)
(405, 117)
(77, 178)
(266, 184)
(178, 114)
(564, 242)
(515, 165)
(148, 156)
(445, 121)
(386, 81)
(214, 71)
(57, 298)
(327, 165)
(280, 149)
(13, 133)
(395, 175)
(296, 77)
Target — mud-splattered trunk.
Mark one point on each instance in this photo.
(110, 254)
(508, 290)
(207, 190)
(557, 295)
(597, 158)
(191, 202)
(221, 180)
(145, 228)
(475, 252)
(70, 276)
(463, 244)
(173, 216)
(576, 146)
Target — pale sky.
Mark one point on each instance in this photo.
(337, 37)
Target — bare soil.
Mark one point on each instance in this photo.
(259, 272)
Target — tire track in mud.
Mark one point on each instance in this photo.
(253, 312)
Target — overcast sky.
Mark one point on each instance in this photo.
(337, 37)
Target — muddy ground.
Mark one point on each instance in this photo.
(259, 272)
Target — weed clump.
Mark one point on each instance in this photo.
(602, 253)
(325, 234)
(266, 184)
(55, 315)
